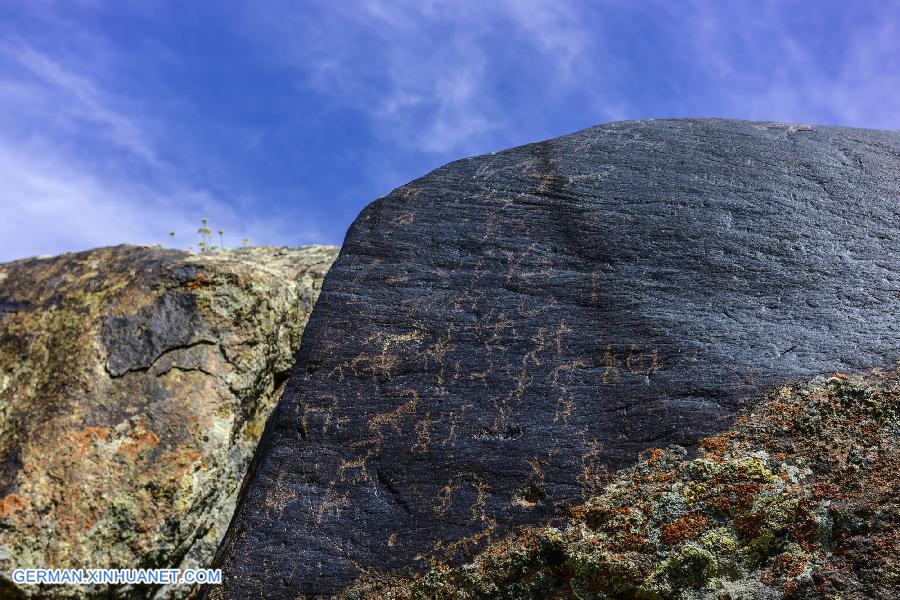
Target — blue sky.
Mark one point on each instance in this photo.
(280, 121)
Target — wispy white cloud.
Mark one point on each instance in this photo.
(560, 31)
(427, 73)
(80, 167)
(52, 204)
(762, 65)
(74, 100)
(864, 91)
(436, 75)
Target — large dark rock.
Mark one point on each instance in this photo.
(498, 336)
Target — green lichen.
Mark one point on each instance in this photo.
(692, 567)
(721, 542)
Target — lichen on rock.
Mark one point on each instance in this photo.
(799, 499)
(134, 384)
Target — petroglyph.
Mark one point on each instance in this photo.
(594, 473)
(561, 306)
(280, 495)
(394, 419)
(423, 436)
(611, 371)
(532, 493)
(332, 504)
(383, 361)
(566, 403)
(404, 219)
(637, 361)
(642, 362)
(396, 279)
(473, 490)
(359, 466)
(325, 412)
(436, 354)
(457, 417)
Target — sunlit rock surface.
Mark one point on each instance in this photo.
(134, 384)
(499, 336)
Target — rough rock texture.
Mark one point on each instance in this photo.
(800, 500)
(134, 385)
(498, 336)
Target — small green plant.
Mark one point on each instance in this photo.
(206, 245)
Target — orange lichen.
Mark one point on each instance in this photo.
(198, 282)
(651, 456)
(11, 504)
(734, 496)
(791, 565)
(89, 435)
(687, 527)
(715, 444)
(138, 441)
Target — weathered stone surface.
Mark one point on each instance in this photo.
(498, 336)
(798, 500)
(134, 385)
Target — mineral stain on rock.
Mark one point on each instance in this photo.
(499, 337)
(134, 384)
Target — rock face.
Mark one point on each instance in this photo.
(499, 336)
(798, 500)
(134, 385)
